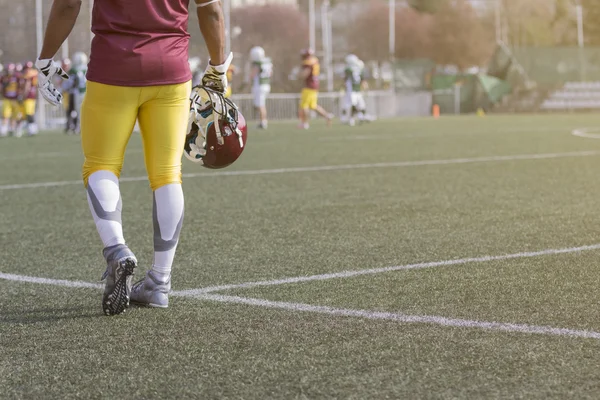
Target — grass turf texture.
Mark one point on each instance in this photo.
(56, 343)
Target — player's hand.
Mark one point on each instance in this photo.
(215, 76)
(48, 70)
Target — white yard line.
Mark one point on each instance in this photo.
(399, 164)
(586, 133)
(405, 318)
(348, 274)
(342, 312)
(204, 294)
(47, 281)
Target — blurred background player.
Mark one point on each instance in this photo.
(195, 64)
(59, 83)
(354, 104)
(29, 96)
(76, 87)
(260, 75)
(310, 93)
(230, 72)
(10, 105)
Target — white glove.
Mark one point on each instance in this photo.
(48, 69)
(215, 76)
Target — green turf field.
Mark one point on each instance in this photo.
(411, 259)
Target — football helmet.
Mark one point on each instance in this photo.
(257, 53)
(305, 53)
(352, 60)
(10, 68)
(19, 67)
(217, 130)
(66, 64)
(80, 59)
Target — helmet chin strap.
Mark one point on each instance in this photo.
(221, 108)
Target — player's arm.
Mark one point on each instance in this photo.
(212, 26)
(254, 72)
(63, 15)
(305, 71)
(27, 87)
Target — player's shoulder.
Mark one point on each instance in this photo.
(310, 61)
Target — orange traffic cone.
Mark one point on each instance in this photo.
(436, 111)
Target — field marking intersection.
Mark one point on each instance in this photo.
(211, 294)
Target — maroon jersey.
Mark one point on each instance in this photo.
(10, 86)
(140, 43)
(314, 69)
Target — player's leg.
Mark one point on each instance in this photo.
(256, 103)
(361, 106)
(77, 103)
(6, 117)
(108, 117)
(29, 109)
(264, 92)
(304, 108)
(347, 109)
(163, 119)
(314, 105)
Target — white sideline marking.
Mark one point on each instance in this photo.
(399, 164)
(584, 132)
(399, 317)
(348, 274)
(47, 281)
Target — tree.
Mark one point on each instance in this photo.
(591, 16)
(458, 36)
(370, 33)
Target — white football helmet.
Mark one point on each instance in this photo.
(80, 59)
(257, 53)
(352, 60)
(195, 63)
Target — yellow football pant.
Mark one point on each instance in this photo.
(108, 116)
(28, 107)
(309, 98)
(10, 108)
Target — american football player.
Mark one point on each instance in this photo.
(64, 85)
(10, 104)
(310, 93)
(195, 67)
(29, 95)
(354, 84)
(75, 87)
(138, 70)
(260, 75)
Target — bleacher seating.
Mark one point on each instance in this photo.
(574, 96)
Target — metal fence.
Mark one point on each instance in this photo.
(284, 106)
